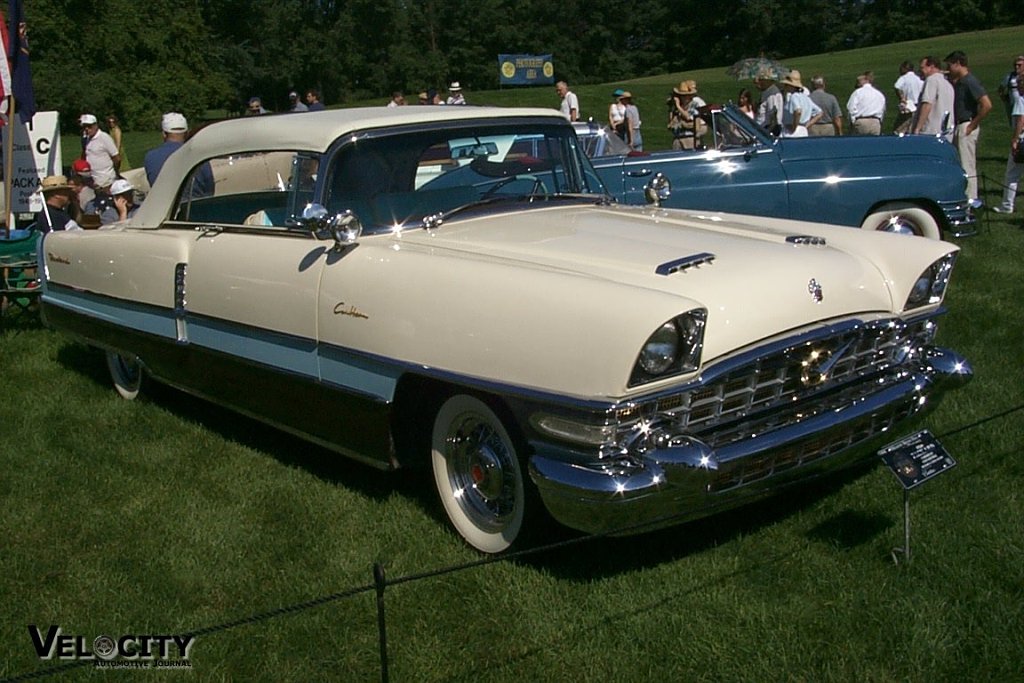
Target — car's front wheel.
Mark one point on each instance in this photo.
(477, 473)
(126, 373)
(905, 219)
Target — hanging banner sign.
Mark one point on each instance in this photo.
(526, 69)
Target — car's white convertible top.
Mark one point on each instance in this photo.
(308, 132)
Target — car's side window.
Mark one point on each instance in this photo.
(259, 189)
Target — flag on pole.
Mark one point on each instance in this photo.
(5, 66)
(20, 68)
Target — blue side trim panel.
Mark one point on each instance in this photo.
(284, 352)
(366, 374)
(141, 317)
(371, 376)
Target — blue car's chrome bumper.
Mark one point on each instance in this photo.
(678, 477)
(959, 217)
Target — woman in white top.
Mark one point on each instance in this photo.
(617, 115)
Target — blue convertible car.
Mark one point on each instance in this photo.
(911, 184)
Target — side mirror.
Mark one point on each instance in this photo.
(658, 190)
(344, 228)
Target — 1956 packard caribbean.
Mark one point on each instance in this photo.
(452, 287)
(911, 184)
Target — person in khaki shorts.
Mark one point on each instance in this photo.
(831, 121)
(866, 107)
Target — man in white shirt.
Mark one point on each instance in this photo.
(908, 87)
(934, 114)
(570, 107)
(100, 152)
(866, 107)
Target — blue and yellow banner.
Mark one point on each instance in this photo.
(526, 69)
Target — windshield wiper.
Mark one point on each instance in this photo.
(434, 221)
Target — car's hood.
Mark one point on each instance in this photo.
(754, 283)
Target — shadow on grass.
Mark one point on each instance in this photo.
(851, 528)
(607, 556)
(579, 558)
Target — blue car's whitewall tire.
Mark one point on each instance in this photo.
(903, 218)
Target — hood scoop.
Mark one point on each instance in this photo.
(685, 263)
(806, 239)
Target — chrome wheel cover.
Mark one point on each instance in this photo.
(482, 472)
(900, 225)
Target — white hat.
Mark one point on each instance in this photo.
(173, 122)
(120, 186)
(87, 120)
(455, 86)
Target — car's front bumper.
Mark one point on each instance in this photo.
(680, 477)
(960, 217)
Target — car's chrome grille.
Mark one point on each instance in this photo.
(777, 461)
(791, 383)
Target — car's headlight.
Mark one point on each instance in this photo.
(673, 348)
(930, 286)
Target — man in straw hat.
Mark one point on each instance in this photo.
(684, 116)
(769, 112)
(799, 112)
(58, 205)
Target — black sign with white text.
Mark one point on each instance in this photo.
(916, 459)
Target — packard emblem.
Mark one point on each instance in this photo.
(814, 288)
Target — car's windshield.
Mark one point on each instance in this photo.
(732, 128)
(395, 180)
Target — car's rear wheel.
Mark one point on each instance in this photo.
(905, 219)
(477, 473)
(126, 372)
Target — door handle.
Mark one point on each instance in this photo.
(639, 173)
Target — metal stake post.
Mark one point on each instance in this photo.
(905, 550)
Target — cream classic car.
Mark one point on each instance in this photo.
(451, 288)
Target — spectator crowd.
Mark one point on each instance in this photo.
(948, 101)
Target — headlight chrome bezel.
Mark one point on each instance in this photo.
(930, 286)
(672, 349)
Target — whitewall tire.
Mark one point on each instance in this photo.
(477, 474)
(905, 219)
(126, 373)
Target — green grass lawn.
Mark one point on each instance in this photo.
(168, 515)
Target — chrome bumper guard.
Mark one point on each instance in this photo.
(668, 478)
(960, 217)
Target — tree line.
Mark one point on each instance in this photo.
(137, 60)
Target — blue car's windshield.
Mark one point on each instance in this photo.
(395, 180)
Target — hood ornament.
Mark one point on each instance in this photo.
(814, 289)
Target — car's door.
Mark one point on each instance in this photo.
(251, 282)
(739, 172)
